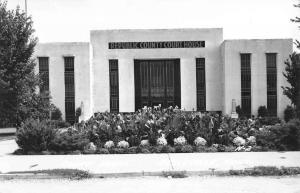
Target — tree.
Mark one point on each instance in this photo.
(17, 44)
(297, 20)
(292, 78)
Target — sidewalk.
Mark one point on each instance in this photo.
(144, 164)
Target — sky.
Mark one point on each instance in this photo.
(71, 20)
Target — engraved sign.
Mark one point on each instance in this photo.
(153, 45)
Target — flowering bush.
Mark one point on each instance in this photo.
(123, 144)
(162, 141)
(153, 128)
(239, 141)
(180, 140)
(199, 141)
(109, 144)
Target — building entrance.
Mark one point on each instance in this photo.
(157, 82)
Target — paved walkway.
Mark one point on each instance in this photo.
(144, 163)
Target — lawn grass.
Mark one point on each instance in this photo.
(266, 171)
(65, 173)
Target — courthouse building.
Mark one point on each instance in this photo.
(195, 69)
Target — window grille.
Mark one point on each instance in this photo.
(271, 84)
(200, 79)
(246, 84)
(44, 73)
(114, 85)
(69, 89)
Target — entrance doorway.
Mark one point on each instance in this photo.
(157, 81)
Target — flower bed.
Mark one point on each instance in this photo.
(157, 130)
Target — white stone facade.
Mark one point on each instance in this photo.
(222, 68)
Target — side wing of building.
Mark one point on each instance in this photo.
(65, 71)
(252, 74)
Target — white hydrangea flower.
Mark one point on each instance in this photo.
(251, 139)
(199, 141)
(180, 140)
(239, 141)
(109, 144)
(123, 144)
(145, 142)
(91, 146)
(162, 141)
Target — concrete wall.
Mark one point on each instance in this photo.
(231, 50)
(101, 54)
(56, 53)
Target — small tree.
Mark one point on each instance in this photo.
(297, 20)
(292, 78)
(17, 44)
(262, 111)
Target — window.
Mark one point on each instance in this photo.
(44, 73)
(246, 84)
(69, 89)
(200, 85)
(271, 84)
(114, 85)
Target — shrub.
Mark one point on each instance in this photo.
(35, 135)
(70, 140)
(269, 121)
(280, 137)
(77, 114)
(289, 113)
(90, 148)
(186, 149)
(239, 110)
(117, 150)
(133, 140)
(262, 111)
(167, 149)
(60, 123)
(56, 114)
(291, 135)
(132, 150)
(102, 151)
(145, 150)
(156, 149)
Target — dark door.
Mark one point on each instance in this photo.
(157, 82)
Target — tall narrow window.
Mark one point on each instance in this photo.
(69, 89)
(44, 73)
(114, 85)
(246, 84)
(200, 78)
(271, 84)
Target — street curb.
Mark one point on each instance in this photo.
(169, 174)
